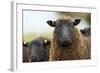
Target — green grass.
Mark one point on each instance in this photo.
(31, 36)
(28, 37)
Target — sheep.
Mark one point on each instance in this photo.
(39, 50)
(86, 31)
(68, 43)
(36, 50)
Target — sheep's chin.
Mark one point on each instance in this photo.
(65, 46)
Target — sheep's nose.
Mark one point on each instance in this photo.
(34, 59)
(65, 37)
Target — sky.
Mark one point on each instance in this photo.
(35, 21)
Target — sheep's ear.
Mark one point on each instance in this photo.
(76, 21)
(25, 44)
(46, 42)
(51, 23)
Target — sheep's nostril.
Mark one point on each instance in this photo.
(65, 37)
(35, 58)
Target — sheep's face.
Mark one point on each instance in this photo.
(64, 31)
(86, 31)
(38, 51)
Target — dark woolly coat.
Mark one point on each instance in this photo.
(80, 49)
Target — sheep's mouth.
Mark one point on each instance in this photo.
(65, 45)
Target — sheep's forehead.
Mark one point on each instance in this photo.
(67, 19)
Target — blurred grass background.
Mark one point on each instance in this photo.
(31, 36)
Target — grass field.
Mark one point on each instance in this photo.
(31, 36)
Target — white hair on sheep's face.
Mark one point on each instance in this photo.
(65, 18)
